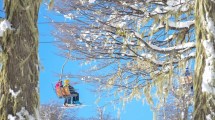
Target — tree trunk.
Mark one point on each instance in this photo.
(19, 91)
(204, 83)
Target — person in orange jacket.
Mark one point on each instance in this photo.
(71, 95)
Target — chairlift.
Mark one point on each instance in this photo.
(60, 91)
(64, 92)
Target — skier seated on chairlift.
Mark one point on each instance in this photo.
(71, 97)
(67, 92)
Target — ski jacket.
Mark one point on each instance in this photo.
(69, 89)
(59, 89)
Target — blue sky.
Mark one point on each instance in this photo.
(52, 64)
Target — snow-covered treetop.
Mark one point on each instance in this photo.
(147, 41)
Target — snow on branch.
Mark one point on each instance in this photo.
(170, 37)
(148, 57)
(165, 50)
(172, 25)
(92, 1)
(180, 25)
(158, 10)
(170, 5)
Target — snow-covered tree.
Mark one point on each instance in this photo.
(137, 45)
(143, 39)
(101, 115)
(140, 46)
(178, 105)
(19, 76)
(54, 111)
(204, 83)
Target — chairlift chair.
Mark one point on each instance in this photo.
(61, 91)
